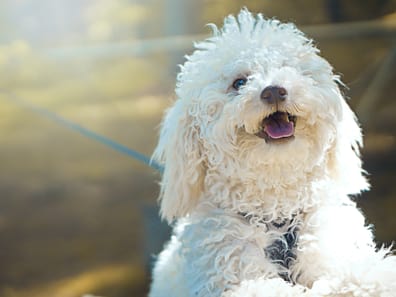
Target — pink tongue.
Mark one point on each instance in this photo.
(279, 129)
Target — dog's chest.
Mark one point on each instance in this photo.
(282, 249)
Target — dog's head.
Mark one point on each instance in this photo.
(256, 101)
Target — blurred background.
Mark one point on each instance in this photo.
(77, 217)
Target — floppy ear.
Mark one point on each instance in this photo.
(345, 163)
(179, 149)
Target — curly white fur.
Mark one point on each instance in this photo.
(226, 186)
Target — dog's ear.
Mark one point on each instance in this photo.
(179, 149)
(345, 162)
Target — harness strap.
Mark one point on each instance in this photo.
(283, 250)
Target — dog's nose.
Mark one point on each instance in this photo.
(273, 94)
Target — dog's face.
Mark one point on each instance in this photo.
(255, 101)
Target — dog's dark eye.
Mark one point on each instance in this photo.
(238, 83)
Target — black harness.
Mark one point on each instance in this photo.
(282, 251)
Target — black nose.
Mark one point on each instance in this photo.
(273, 94)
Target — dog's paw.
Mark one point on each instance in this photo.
(274, 287)
(338, 288)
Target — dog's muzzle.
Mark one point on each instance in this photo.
(280, 124)
(277, 126)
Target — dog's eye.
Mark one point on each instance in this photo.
(238, 83)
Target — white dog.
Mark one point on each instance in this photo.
(261, 153)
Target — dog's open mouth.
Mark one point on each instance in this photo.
(277, 126)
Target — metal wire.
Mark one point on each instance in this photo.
(11, 97)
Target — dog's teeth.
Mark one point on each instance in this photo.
(285, 117)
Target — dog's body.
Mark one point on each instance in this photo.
(261, 152)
